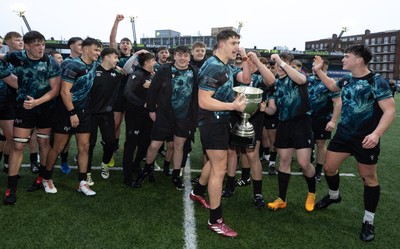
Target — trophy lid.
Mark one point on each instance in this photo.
(247, 90)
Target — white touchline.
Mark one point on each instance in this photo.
(189, 171)
(189, 222)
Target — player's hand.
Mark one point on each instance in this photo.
(74, 121)
(119, 17)
(263, 106)
(147, 84)
(330, 126)
(370, 141)
(30, 103)
(318, 63)
(276, 58)
(240, 102)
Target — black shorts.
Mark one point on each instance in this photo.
(354, 147)
(318, 128)
(62, 122)
(7, 111)
(41, 117)
(215, 136)
(164, 129)
(270, 122)
(294, 133)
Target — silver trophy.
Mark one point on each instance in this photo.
(242, 133)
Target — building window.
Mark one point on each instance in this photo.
(384, 67)
(312, 46)
(373, 49)
(391, 66)
(385, 49)
(373, 41)
(359, 38)
(351, 39)
(378, 67)
(386, 39)
(392, 47)
(366, 41)
(391, 57)
(379, 49)
(383, 75)
(390, 76)
(385, 58)
(379, 40)
(378, 58)
(393, 39)
(371, 66)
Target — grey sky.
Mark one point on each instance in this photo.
(266, 23)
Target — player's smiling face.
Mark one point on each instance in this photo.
(181, 60)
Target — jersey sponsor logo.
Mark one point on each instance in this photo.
(113, 75)
(67, 128)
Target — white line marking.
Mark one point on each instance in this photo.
(191, 170)
(189, 223)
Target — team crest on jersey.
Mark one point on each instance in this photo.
(98, 73)
(113, 75)
(133, 76)
(345, 82)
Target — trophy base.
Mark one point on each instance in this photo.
(244, 142)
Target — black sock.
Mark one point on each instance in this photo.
(166, 164)
(311, 184)
(318, 169)
(1, 155)
(245, 173)
(6, 158)
(47, 174)
(42, 169)
(82, 177)
(333, 182)
(148, 167)
(34, 157)
(13, 181)
(199, 189)
(371, 198)
(272, 156)
(64, 157)
(175, 173)
(283, 182)
(215, 214)
(230, 182)
(257, 187)
(266, 151)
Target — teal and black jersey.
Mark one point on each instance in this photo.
(33, 75)
(122, 60)
(81, 75)
(360, 110)
(320, 98)
(5, 71)
(291, 99)
(218, 77)
(182, 92)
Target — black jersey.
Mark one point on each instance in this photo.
(105, 89)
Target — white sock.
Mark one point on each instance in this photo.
(368, 216)
(333, 194)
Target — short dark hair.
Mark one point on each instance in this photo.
(54, 52)
(107, 51)
(33, 36)
(143, 57)
(126, 40)
(12, 34)
(198, 44)
(91, 41)
(286, 57)
(182, 49)
(226, 34)
(162, 48)
(360, 50)
(73, 40)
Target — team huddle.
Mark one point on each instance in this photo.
(165, 100)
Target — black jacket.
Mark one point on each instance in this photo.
(134, 91)
(160, 94)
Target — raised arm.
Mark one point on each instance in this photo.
(268, 76)
(245, 75)
(328, 82)
(295, 75)
(114, 29)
